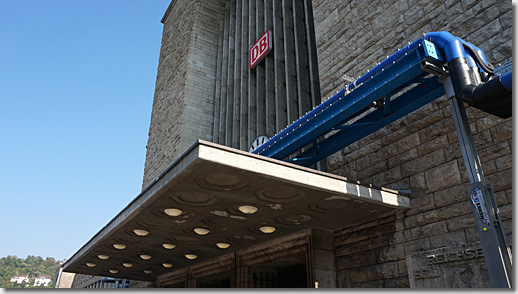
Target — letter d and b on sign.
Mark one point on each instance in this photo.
(260, 49)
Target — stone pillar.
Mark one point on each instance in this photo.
(323, 259)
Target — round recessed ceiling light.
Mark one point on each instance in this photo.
(267, 229)
(167, 265)
(127, 264)
(223, 245)
(201, 231)
(248, 209)
(147, 272)
(113, 271)
(191, 256)
(145, 256)
(119, 246)
(173, 211)
(102, 256)
(90, 264)
(141, 232)
(168, 246)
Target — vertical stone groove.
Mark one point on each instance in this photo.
(289, 53)
(224, 77)
(267, 98)
(301, 56)
(270, 74)
(280, 73)
(231, 60)
(315, 95)
(243, 120)
(237, 77)
(217, 91)
(260, 70)
(252, 94)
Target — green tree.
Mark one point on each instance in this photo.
(32, 266)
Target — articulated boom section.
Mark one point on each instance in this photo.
(397, 86)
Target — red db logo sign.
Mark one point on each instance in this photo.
(260, 49)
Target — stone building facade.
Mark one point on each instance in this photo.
(419, 152)
(202, 91)
(205, 88)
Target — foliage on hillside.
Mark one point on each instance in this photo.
(32, 266)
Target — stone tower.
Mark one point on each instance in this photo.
(205, 88)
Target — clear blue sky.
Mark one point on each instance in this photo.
(77, 79)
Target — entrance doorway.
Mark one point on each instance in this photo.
(221, 280)
(286, 272)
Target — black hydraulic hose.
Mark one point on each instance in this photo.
(486, 67)
(488, 96)
(460, 75)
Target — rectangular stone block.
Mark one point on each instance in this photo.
(384, 153)
(400, 237)
(414, 221)
(433, 145)
(423, 163)
(407, 156)
(417, 245)
(372, 170)
(390, 253)
(429, 230)
(466, 221)
(343, 279)
(368, 285)
(418, 182)
(356, 260)
(408, 142)
(483, 139)
(503, 131)
(401, 282)
(422, 202)
(443, 176)
(448, 239)
(375, 272)
(500, 180)
(427, 116)
(453, 151)
(448, 212)
(436, 130)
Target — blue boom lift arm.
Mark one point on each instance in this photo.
(397, 86)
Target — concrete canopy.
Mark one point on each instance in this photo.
(208, 184)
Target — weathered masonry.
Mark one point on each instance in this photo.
(225, 102)
(391, 211)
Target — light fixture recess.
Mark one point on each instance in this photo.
(267, 229)
(141, 232)
(173, 211)
(248, 209)
(119, 246)
(90, 264)
(103, 256)
(127, 264)
(167, 265)
(147, 272)
(145, 256)
(168, 246)
(201, 231)
(113, 271)
(223, 245)
(191, 256)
